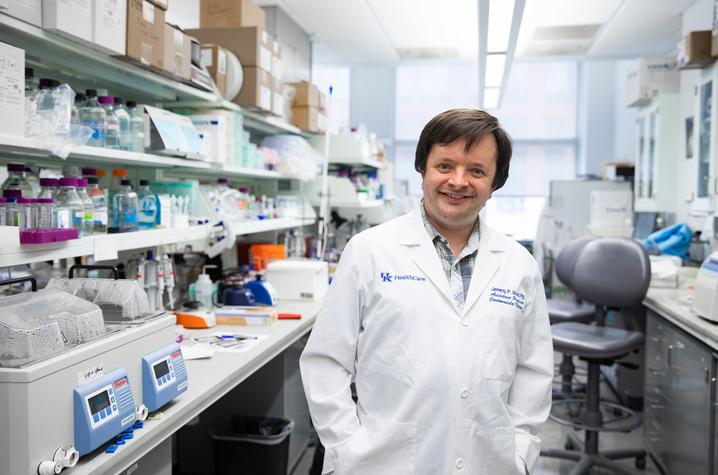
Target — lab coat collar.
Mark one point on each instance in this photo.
(488, 259)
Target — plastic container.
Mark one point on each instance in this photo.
(11, 211)
(148, 206)
(25, 220)
(3, 212)
(93, 116)
(88, 220)
(45, 213)
(124, 208)
(123, 116)
(137, 128)
(99, 205)
(251, 444)
(69, 211)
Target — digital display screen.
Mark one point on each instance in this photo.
(161, 369)
(120, 382)
(99, 402)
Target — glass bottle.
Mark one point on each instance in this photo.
(148, 206)
(124, 208)
(99, 204)
(118, 175)
(88, 220)
(93, 116)
(137, 127)
(112, 123)
(16, 180)
(123, 117)
(48, 188)
(69, 211)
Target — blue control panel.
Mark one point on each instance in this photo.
(164, 376)
(103, 408)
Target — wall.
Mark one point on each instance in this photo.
(372, 99)
(595, 109)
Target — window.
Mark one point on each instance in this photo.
(338, 78)
(539, 111)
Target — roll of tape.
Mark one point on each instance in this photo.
(235, 76)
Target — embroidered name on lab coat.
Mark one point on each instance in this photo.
(507, 297)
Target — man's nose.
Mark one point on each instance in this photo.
(458, 179)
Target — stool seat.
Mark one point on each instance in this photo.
(566, 311)
(590, 341)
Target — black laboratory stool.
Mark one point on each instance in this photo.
(561, 311)
(614, 274)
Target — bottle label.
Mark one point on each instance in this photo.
(100, 218)
(89, 215)
(129, 215)
(148, 210)
(63, 219)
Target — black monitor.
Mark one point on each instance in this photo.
(644, 224)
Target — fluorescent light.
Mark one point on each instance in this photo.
(500, 18)
(494, 74)
(491, 97)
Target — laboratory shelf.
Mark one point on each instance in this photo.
(269, 125)
(80, 63)
(261, 226)
(357, 161)
(28, 150)
(103, 246)
(356, 204)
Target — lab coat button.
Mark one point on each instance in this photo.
(464, 394)
(465, 322)
(459, 464)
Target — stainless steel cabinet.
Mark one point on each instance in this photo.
(678, 416)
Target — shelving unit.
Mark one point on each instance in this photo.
(358, 161)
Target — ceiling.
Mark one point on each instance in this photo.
(387, 31)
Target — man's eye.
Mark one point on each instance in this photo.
(444, 166)
(477, 172)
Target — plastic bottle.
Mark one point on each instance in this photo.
(99, 205)
(88, 220)
(48, 188)
(112, 122)
(69, 212)
(33, 179)
(115, 184)
(3, 212)
(123, 116)
(148, 206)
(124, 208)
(16, 180)
(45, 213)
(93, 115)
(11, 211)
(137, 127)
(203, 288)
(30, 85)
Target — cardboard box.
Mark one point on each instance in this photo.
(277, 102)
(307, 94)
(276, 58)
(69, 18)
(29, 11)
(214, 58)
(251, 44)
(230, 13)
(322, 101)
(109, 26)
(694, 50)
(305, 117)
(176, 58)
(256, 90)
(12, 90)
(161, 4)
(648, 77)
(145, 33)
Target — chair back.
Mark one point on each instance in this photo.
(567, 256)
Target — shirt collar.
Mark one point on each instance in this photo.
(471, 246)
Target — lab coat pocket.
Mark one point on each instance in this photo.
(502, 458)
(379, 448)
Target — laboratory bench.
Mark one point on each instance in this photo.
(210, 380)
(681, 350)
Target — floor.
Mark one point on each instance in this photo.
(553, 435)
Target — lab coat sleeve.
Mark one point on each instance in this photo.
(529, 399)
(328, 361)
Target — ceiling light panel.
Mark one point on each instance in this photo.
(500, 16)
(495, 65)
(491, 97)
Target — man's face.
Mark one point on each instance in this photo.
(457, 183)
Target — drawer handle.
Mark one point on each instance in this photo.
(657, 371)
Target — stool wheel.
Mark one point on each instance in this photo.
(641, 463)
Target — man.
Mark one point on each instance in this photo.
(441, 322)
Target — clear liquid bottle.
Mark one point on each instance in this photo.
(69, 212)
(88, 220)
(124, 208)
(16, 180)
(123, 116)
(11, 211)
(93, 116)
(99, 204)
(112, 123)
(30, 84)
(115, 184)
(48, 188)
(137, 127)
(148, 206)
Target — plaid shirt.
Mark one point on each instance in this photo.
(458, 269)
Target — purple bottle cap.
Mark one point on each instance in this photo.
(221, 180)
(48, 181)
(15, 167)
(106, 100)
(24, 201)
(12, 193)
(3, 200)
(82, 182)
(89, 171)
(68, 181)
(44, 200)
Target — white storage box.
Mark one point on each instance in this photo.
(29, 11)
(70, 18)
(299, 279)
(12, 90)
(109, 28)
(647, 77)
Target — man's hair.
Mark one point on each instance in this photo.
(470, 126)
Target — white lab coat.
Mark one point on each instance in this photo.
(440, 389)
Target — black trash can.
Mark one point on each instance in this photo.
(251, 445)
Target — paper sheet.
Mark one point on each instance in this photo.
(197, 352)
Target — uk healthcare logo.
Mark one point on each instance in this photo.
(388, 277)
